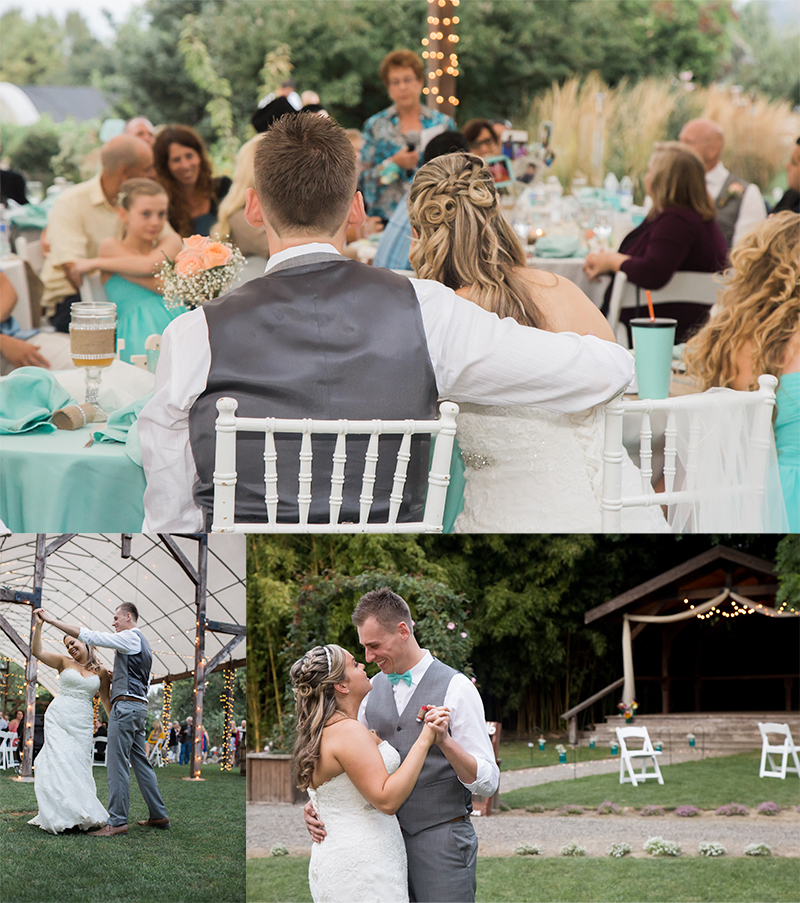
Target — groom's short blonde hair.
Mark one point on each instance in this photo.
(386, 607)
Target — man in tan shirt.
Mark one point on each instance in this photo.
(82, 216)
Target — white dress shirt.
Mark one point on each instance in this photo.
(752, 209)
(476, 357)
(467, 721)
(126, 642)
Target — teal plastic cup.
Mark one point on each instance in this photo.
(652, 347)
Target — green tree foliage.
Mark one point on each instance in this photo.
(787, 565)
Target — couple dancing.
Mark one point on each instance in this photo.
(411, 742)
(64, 784)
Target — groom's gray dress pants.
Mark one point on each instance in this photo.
(126, 726)
(441, 863)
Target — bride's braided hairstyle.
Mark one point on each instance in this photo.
(313, 677)
(464, 239)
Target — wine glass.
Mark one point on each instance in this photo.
(93, 344)
(603, 226)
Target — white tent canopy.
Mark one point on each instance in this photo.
(87, 578)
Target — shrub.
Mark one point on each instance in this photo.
(609, 808)
(768, 809)
(657, 846)
(758, 849)
(618, 850)
(279, 850)
(652, 810)
(526, 849)
(687, 811)
(732, 809)
(706, 848)
(572, 849)
(536, 807)
(570, 809)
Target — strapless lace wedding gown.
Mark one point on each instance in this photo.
(363, 857)
(63, 780)
(529, 470)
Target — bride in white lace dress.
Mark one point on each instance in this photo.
(526, 469)
(355, 781)
(63, 781)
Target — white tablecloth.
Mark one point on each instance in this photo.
(572, 268)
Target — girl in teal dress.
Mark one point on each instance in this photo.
(128, 264)
(756, 330)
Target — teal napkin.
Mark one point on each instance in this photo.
(28, 398)
(31, 216)
(557, 246)
(121, 426)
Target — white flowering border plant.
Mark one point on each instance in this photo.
(203, 270)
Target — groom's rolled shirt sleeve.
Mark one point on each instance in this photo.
(468, 729)
(128, 642)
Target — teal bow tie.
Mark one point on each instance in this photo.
(394, 679)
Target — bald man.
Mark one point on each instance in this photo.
(141, 127)
(82, 216)
(739, 203)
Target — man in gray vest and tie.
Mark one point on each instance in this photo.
(126, 723)
(441, 844)
(324, 337)
(739, 203)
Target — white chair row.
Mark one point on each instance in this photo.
(7, 757)
(785, 749)
(156, 756)
(99, 746)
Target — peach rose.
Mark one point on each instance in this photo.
(197, 242)
(189, 262)
(216, 255)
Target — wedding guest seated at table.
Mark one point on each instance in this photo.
(679, 233)
(755, 329)
(232, 224)
(395, 241)
(791, 197)
(128, 264)
(381, 346)
(527, 469)
(184, 169)
(482, 138)
(738, 202)
(141, 127)
(18, 349)
(82, 216)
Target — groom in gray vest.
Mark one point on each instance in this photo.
(441, 844)
(324, 337)
(126, 721)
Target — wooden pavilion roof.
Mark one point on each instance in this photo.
(698, 579)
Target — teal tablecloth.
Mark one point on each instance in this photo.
(50, 483)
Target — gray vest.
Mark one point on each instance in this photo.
(324, 337)
(132, 672)
(728, 207)
(438, 796)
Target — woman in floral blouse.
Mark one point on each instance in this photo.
(390, 154)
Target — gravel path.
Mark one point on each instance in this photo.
(272, 823)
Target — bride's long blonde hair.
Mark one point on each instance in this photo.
(313, 677)
(464, 239)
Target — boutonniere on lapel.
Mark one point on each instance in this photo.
(734, 190)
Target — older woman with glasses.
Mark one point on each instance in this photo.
(390, 155)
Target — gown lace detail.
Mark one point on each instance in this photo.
(530, 470)
(363, 857)
(63, 779)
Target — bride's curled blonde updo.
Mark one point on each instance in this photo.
(464, 239)
(313, 677)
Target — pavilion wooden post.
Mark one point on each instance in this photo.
(441, 56)
(32, 665)
(200, 652)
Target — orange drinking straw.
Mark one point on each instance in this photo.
(650, 304)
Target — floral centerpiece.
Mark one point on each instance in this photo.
(203, 270)
(628, 709)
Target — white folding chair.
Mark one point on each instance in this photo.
(225, 477)
(626, 756)
(7, 750)
(30, 251)
(92, 289)
(785, 749)
(97, 741)
(750, 486)
(151, 343)
(686, 287)
(156, 756)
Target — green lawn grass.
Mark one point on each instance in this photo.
(705, 783)
(514, 880)
(516, 754)
(200, 859)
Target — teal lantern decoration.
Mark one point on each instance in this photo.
(614, 748)
(562, 757)
(691, 739)
(659, 746)
(591, 744)
(541, 744)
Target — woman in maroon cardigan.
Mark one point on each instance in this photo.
(680, 231)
